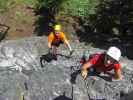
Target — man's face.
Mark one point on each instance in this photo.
(108, 60)
(57, 33)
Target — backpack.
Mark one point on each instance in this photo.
(87, 55)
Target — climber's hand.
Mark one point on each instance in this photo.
(118, 79)
(84, 74)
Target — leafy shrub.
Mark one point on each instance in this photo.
(6, 5)
(81, 8)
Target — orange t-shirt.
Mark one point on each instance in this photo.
(52, 38)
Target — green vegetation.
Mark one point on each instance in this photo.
(115, 16)
(6, 5)
(81, 8)
(22, 17)
(68, 7)
(104, 16)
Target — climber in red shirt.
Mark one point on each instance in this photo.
(104, 62)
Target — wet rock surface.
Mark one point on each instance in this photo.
(23, 78)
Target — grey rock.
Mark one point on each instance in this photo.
(21, 75)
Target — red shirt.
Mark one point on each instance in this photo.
(98, 63)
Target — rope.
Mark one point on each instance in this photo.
(85, 83)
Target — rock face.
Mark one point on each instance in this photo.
(23, 78)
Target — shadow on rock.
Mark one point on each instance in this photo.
(66, 56)
(3, 31)
(97, 99)
(126, 96)
(106, 78)
(47, 58)
(62, 97)
(74, 76)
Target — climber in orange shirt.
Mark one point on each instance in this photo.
(58, 37)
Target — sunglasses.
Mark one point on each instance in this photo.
(57, 32)
(108, 58)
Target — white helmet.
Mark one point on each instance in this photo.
(114, 52)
